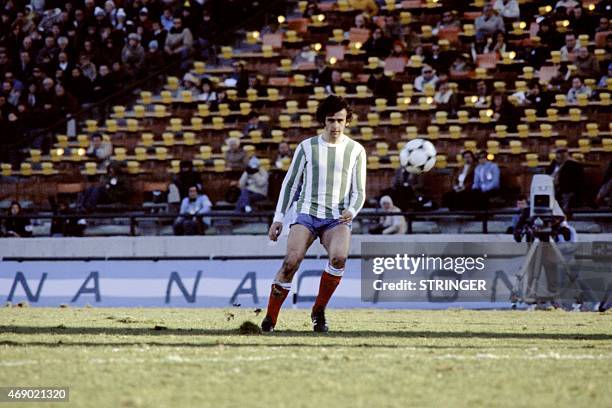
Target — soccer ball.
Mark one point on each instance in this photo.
(418, 156)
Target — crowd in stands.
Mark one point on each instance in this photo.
(58, 57)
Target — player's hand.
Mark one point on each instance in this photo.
(275, 231)
(346, 217)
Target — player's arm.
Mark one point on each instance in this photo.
(358, 188)
(288, 189)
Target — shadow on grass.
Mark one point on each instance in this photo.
(363, 334)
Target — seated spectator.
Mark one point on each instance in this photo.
(154, 59)
(445, 99)
(112, 189)
(578, 88)
(449, 20)
(604, 195)
(486, 181)
(362, 21)
(460, 68)
(337, 80)
(568, 177)
(194, 204)
(503, 111)
(586, 63)
(483, 99)
(179, 41)
(389, 224)
(253, 123)
(185, 178)
(427, 76)
(603, 81)
(99, 149)
(580, 22)
(312, 9)
(439, 60)
(14, 226)
(534, 97)
(508, 9)
(548, 34)
(569, 50)
(235, 157)
(498, 45)
(382, 86)
(604, 25)
(283, 154)
(410, 38)
(306, 56)
(378, 45)
(399, 51)
(406, 190)
(253, 186)
(368, 6)
(191, 83)
(460, 196)
(488, 23)
(208, 93)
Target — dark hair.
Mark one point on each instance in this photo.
(14, 203)
(331, 105)
(470, 153)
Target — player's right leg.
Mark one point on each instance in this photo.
(300, 239)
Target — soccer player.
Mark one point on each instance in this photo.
(332, 170)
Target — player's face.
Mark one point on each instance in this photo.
(335, 124)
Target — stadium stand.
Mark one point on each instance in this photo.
(160, 82)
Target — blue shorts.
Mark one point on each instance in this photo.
(318, 225)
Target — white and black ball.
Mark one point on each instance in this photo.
(418, 156)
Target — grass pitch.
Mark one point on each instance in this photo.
(373, 358)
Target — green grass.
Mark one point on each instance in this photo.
(373, 358)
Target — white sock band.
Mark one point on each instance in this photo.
(284, 285)
(334, 271)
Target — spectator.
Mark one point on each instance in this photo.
(133, 55)
(459, 197)
(439, 60)
(14, 226)
(427, 76)
(103, 85)
(235, 157)
(382, 86)
(389, 224)
(154, 59)
(604, 25)
(445, 99)
(486, 180)
(603, 81)
(179, 41)
(186, 177)
(581, 22)
(569, 50)
(508, 9)
(586, 63)
(488, 23)
(449, 20)
(578, 88)
(193, 205)
(113, 189)
(503, 111)
(368, 6)
(283, 155)
(498, 46)
(534, 97)
(99, 149)
(62, 225)
(253, 123)
(460, 68)
(405, 189)
(548, 34)
(191, 83)
(604, 195)
(518, 219)
(208, 93)
(253, 186)
(568, 177)
(337, 81)
(483, 99)
(378, 45)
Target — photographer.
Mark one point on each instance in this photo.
(253, 186)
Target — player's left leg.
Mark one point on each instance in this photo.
(336, 241)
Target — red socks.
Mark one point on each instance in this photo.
(327, 286)
(278, 294)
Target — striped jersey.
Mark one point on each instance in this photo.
(332, 178)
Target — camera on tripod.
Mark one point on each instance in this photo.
(545, 215)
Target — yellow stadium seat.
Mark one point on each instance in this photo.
(546, 129)
(600, 54)
(455, 132)
(592, 129)
(381, 104)
(523, 130)
(606, 143)
(284, 121)
(119, 111)
(433, 132)
(584, 145)
(373, 119)
(407, 90)
(367, 133)
(306, 121)
(429, 90)
(203, 110)
(133, 167)
(552, 115)
(91, 168)
(161, 153)
(205, 152)
(528, 72)
(469, 30)
(292, 107)
(291, 36)
(277, 135)
(186, 96)
(219, 165)
(197, 124)
(402, 103)
(120, 153)
(224, 109)
(35, 155)
(441, 118)
(251, 95)
(579, 157)
(176, 124)
(470, 145)
(416, 61)
(341, 90)
(441, 161)
(411, 132)
(140, 153)
(159, 111)
(256, 136)
(481, 73)
(485, 115)
(146, 139)
(245, 108)
(574, 114)
(7, 170)
(56, 154)
(561, 143)
(555, 56)
(273, 94)
(132, 125)
(501, 130)
(405, 17)
(199, 67)
(532, 159)
(217, 123)
(373, 162)
(166, 97)
(373, 62)
(227, 52)
(299, 80)
(561, 100)
(516, 146)
(168, 138)
(232, 94)
(83, 141)
(319, 93)
(362, 91)
(146, 97)
(91, 125)
(47, 168)
(311, 106)
(175, 166)
(62, 141)
(189, 138)
(499, 86)
(396, 118)
(463, 116)
(249, 149)
(172, 83)
(382, 148)
(493, 146)
(338, 35)
(604, 98)
(267, 51)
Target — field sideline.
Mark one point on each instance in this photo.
(373, 358)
